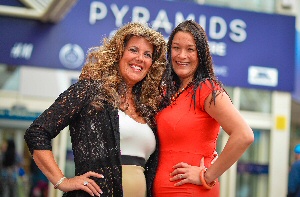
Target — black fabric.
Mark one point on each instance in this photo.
(151, 166)
(94, 135)
(132, 160)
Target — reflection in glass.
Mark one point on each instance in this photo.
(9, 77)
(255, 100)
(253, 167)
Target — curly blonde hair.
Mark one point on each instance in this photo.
(102, 64)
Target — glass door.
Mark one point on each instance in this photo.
(253, 167)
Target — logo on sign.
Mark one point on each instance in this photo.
(263, 76)
(71, 56)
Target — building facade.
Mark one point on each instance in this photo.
(253, 45)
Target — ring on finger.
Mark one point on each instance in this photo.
(85, 183)
(181, 176)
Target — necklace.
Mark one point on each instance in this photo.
(177, 94)
(128, 107)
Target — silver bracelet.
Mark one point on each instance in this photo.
(59, 182)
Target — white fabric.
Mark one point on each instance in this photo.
(137, 139)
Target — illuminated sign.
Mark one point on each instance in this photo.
(247, 47)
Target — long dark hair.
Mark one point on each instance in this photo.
(171, 81)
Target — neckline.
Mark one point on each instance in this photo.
(180, 91)
(131, 117)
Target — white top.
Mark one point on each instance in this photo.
(136, 139)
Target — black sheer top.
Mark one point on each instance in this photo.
(94, 135)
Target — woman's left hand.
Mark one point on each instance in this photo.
(184, 173)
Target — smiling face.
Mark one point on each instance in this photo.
(136, 60)
(184, 56)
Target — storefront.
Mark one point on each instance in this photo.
(254, 56)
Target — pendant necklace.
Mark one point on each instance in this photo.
(177, 94)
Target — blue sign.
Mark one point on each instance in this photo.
(252, 168)
(18, 115)
(250, 49)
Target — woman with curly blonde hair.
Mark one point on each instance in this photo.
(110, 112)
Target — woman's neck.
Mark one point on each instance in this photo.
(129, 108)
(184, 84)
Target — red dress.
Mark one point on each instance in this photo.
(186, 134)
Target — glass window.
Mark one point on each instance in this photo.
(9, 77)
(229, 90)
(253, 167)
(295, 139)
(255, 100)
(221, 137)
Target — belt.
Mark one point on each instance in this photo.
(133, 160)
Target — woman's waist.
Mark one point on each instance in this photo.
(193, 158)
(133, 160)
(167, 188)
(163, 185)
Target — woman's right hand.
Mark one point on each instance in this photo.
(82, 182)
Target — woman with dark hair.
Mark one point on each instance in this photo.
(9, 158)
(194, 106)
(110, 112)
(9, 171)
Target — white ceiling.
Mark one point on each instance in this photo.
(43, 10)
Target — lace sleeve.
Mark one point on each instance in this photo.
(59, 115)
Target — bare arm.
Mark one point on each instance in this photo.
(240, 134)
(44, 159)
(240, 138)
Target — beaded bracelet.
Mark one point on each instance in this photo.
(206, 185)
(59, 182)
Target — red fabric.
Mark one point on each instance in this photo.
(186, 134)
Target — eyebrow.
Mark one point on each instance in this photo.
(193, 45)
(138, 48)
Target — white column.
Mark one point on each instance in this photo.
(19, 141)
(59, 148)
(62, 153)
(279, 143)
(263, 158)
